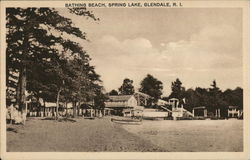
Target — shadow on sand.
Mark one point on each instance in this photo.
(11, 130)
(60, 119)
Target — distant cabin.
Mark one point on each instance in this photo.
(234, 112)
(122, 105)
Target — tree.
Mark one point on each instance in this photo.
(127, 87)
(152, 87)
(215, 97)
(192, 99)
(177, 90)
(233, 97)
(113, 93)
(34, 60)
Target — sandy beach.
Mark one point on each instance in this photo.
(99, 135)
(102, 135)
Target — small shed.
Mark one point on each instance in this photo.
(200, 111)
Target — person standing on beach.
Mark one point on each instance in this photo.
(10, 112)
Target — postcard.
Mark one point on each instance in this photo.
(125, 79)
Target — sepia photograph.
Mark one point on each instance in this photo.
(123, 77)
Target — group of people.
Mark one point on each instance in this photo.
(14, 116)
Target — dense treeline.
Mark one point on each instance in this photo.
(41, 60)
(212, 98)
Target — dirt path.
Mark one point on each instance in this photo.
(80, 136)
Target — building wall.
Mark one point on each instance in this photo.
(155, 114)
(132, 102)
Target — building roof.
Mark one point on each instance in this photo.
(142, 94)
(173, 99)
(120, 98)
(201, 107)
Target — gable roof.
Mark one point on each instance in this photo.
(142, 94)
(120, 98)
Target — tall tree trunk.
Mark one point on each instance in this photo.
(78, 109)
(74, 109)
(65, 107)
(57, 102)
(21, 88)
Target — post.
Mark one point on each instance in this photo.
(182, 110)
(91, 112)
(205, 112)
(219, 113)
(193, 112)
(138, 100)
(26, 107)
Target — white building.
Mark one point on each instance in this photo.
(233, 112)
(123, 105)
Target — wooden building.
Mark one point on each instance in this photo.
(121, 105)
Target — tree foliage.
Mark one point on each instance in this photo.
(127, 87)
(177, 90)
(41, 59)
(212, 98)
(151, 86)
(113, 93)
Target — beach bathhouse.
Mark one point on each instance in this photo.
(122, 105)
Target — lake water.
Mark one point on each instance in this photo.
(192, 135)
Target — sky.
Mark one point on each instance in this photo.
(195, 45)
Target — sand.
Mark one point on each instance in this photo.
(80, 136)
(102, 135)
(192, 135)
